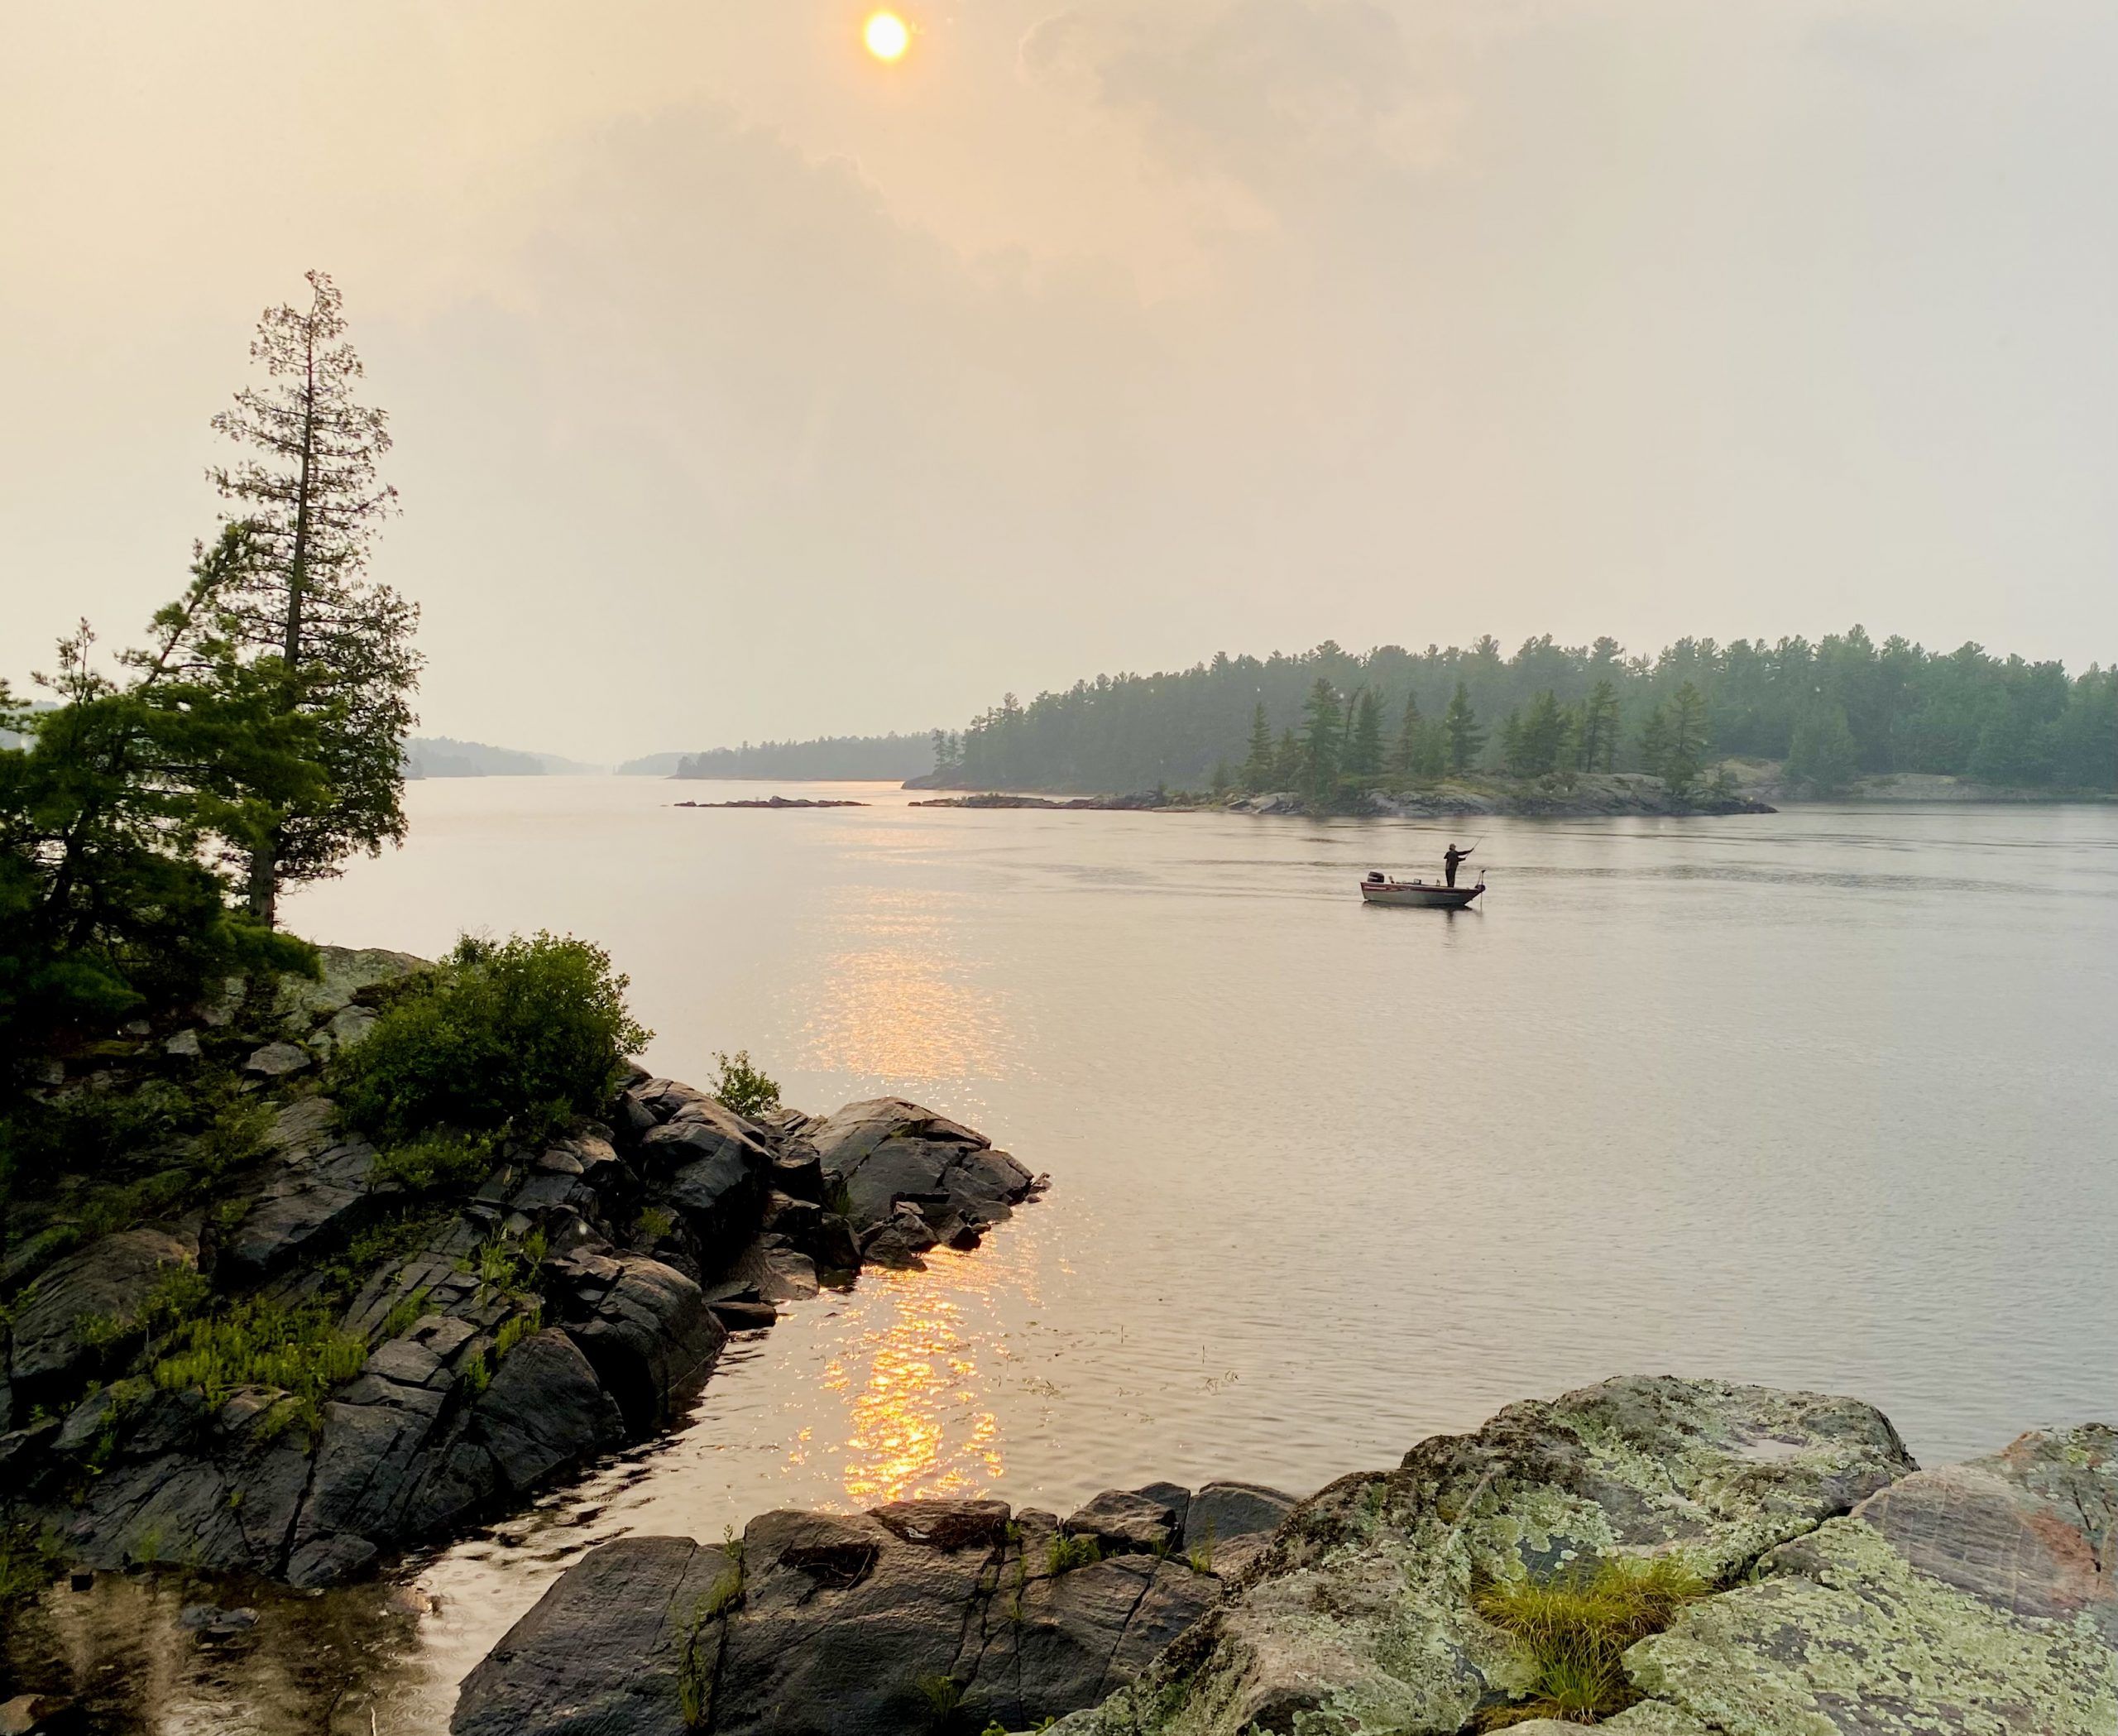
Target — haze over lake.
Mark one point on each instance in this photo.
(1820, 1099)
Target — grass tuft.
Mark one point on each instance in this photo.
(1573, 1629)
(1067, 1553)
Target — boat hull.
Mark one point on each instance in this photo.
(1417, 896)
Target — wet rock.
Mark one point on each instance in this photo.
(545, 1410)
(332, 1561)
(745, 1316)
(184, 1045)
(646, 1331)
(609, 1648)
(211, 1622)
(899, 1239)
(68, 1312)
(878, 1153)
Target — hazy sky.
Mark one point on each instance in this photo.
(746, 387)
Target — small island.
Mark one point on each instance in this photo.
(775, 801)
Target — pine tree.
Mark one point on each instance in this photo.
(1822, 751)
(1404, 758)
(1542, 736)
(1459, 726)
(309, 492)
(1287, 761)
(1511, 759)
(1363, 756)
(1324, 725)
(1599, 728)
(1685, 755)
(1257, 763)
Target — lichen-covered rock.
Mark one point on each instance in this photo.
(1972, 1598)
(345, 972)
(1358, 1617)
(1843, 1635)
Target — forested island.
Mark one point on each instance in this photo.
(1334, 725)
(849, 758)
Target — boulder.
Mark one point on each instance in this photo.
(82, 1301)
(1358, 1614)
(1974, 1597)
(611, 1648)
(876, 1155)
(345, 972)
(543, 1411)
(1124, 1522)
(899, 1239)
(845, 1628)
(644, 1328)
(1230, 1523)
(276, 1060)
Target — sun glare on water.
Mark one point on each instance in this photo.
(887, 36)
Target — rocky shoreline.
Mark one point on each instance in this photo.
(1843, 1591)
(571, 1305)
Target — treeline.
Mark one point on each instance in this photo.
(152, 812)
(851, 758)
(1835, 709)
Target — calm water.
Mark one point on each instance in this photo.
(1821, 1099)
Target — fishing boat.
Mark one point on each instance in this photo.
(1379, 890)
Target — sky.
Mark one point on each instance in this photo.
(743, 386)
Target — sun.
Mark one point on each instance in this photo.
(887, 36)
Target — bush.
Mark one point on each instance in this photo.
(522, 1035)
(436, 1163)
(1573, 1630)
(742, 1088)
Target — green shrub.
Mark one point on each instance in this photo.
(743, 1087)
(522, 1035)
(654, 1224)
(438, 1163)
(1572, 1630)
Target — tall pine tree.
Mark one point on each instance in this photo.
(308, 488)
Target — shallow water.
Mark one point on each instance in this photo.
(1822, 1098)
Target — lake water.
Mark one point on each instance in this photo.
(1821, 1099)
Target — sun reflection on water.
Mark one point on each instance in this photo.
(894, 998)
(919, 1421)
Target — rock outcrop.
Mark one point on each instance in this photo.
(1860, 1595)
(919, 1614)
(576, 1302)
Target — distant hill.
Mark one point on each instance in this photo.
(443, 756)
(886, 758)
(651, 765)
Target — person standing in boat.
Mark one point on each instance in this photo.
(1451, 857)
